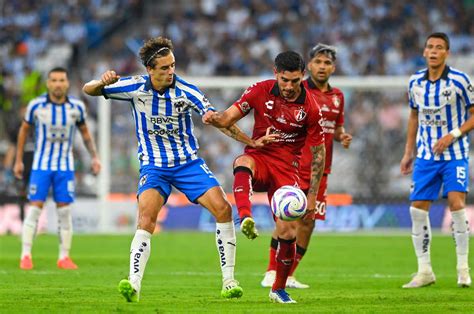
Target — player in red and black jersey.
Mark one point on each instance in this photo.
(331, 102)
(281, 106)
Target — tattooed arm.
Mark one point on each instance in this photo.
(237, 134)
(90, 145)
(317, 170)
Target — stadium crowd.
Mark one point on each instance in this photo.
(238, 37)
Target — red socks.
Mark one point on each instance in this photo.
(242, 191)
(272, 263)
(299, 255)
(284, 259)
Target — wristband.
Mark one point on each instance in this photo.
(456, 133)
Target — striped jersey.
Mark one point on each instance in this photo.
(442, 106)
(55, 126)
(163, 123)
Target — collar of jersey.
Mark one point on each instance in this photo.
(148, 85)
(55, 103)
(313, 86)
(444, 75)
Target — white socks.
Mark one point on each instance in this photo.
(64, 230)
(226, 241)
(460, 227)
(139, 254)
(29, 229)
(421, 236)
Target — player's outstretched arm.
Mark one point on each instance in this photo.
(90, 145)
(406, 164)
(94, 87)
(317, 170)
(236, 133)
(22, 134)
(223, 119)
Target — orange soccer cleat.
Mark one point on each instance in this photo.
(66, 263)
(26, 262)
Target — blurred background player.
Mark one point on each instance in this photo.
(440, 98)
(331, 102)
(282, 107)
(162, 103)
(55, 117)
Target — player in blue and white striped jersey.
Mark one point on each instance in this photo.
(441, 99)
(55, 117)
(161, 103)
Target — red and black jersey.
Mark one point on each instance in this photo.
(331, 104)
(296, 122)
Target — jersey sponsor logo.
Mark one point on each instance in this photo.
(433, 122)
(284, 137)
(162, 132)
(161, 120)
(336, 101)
(430, 111)
(300, 114)
(325, 108)
(269, 104)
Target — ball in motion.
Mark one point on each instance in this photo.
(288, 203)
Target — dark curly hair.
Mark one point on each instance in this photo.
(289, 61)
(154, 47)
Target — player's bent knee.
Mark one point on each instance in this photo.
(224, 212)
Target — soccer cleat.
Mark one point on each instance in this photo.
(280, 296)
(421, 280)
(464, 279)
(66, 263)
(26, 262)
(268, 279)
(248, 228)
(129, 293)
(291, 282)
(231, 289)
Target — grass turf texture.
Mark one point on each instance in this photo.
(347, 273)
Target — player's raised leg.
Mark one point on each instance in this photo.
(150, 202)
(215, 201)
(243, 170)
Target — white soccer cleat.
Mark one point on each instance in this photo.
(269, 279)
(464, 279)
(421, 280)
(280, 296)
(291, 282)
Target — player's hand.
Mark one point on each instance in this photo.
(443, 143)
(95, 165)
(18, 169)
(208, 117)
(406, 165)
(266, 139)
(346, 140)
(109, 77)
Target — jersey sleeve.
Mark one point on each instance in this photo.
(82, 113)
(30, 112)
(411, 97)
(197, 100)
(340, 117)
(247, 101)
(315, 135)
(467, 91)
(124, 88)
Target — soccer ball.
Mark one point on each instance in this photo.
(288, 203)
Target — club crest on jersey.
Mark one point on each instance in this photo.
(180, 104)
(336, 101)
(300, 114)
(245, 107)
(447, 94)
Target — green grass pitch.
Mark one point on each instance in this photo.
(348, 273)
